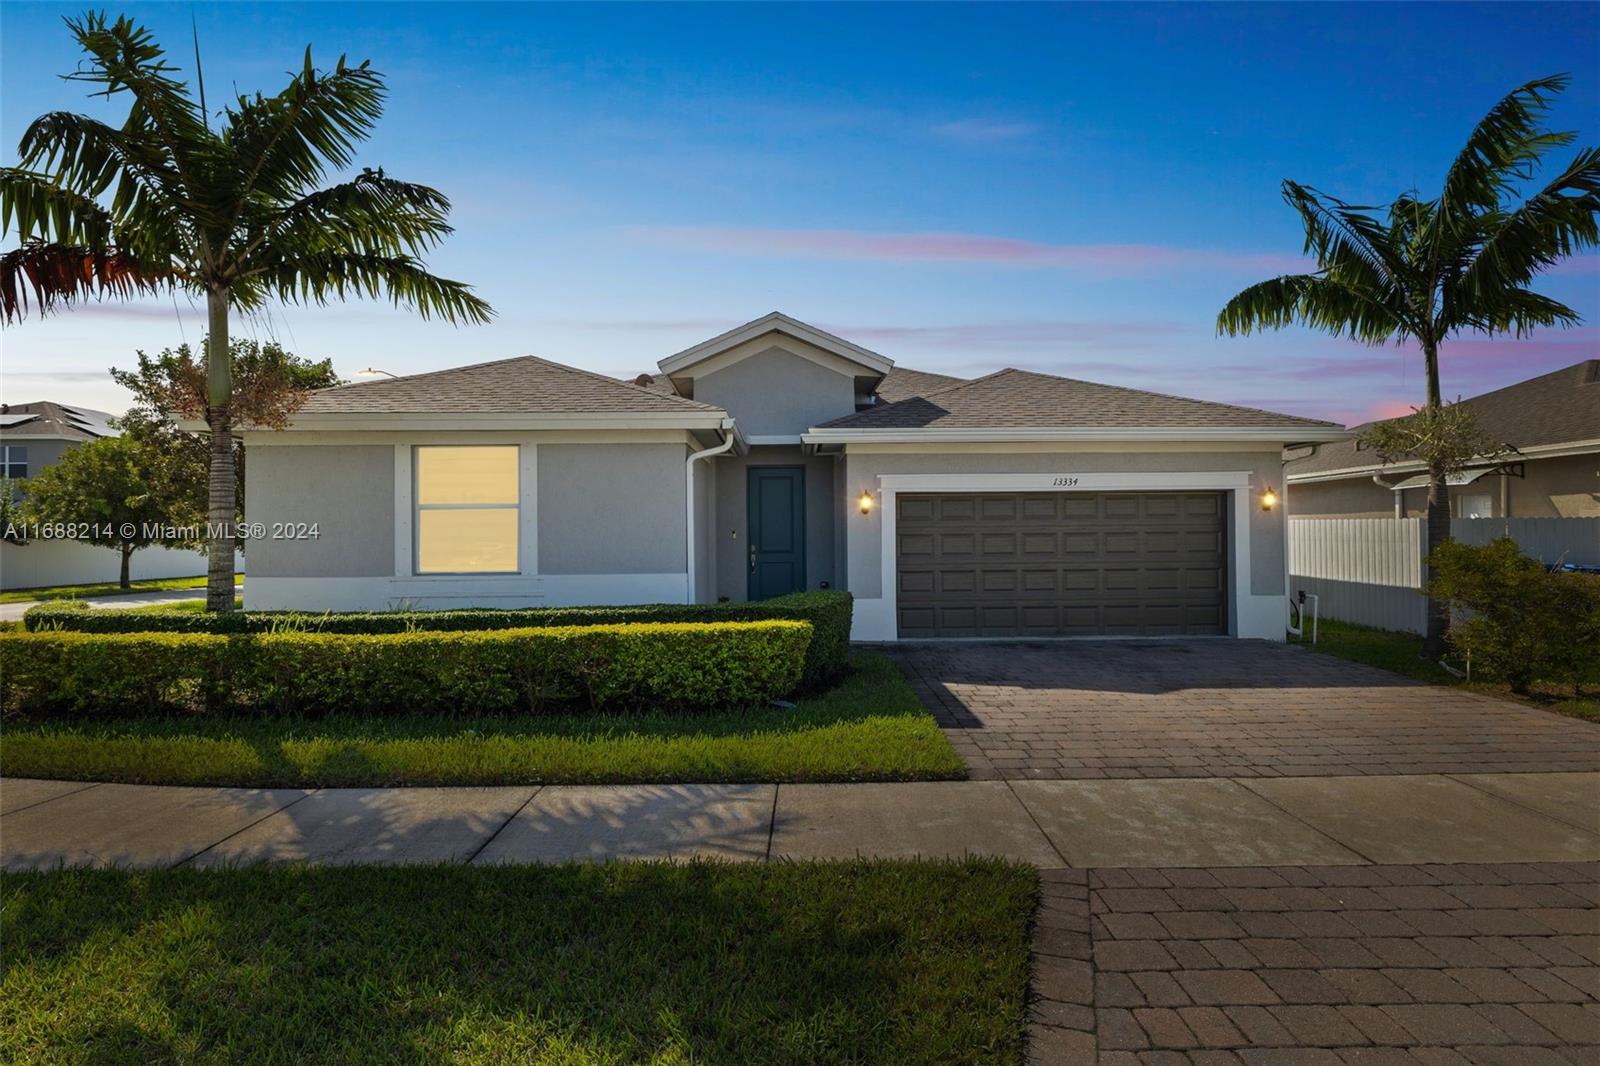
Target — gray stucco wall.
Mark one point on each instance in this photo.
(347, 490)
(730, 533)
(1266, 527)
(611, 508)
(41, 453)
(777, 392)
(705, 538)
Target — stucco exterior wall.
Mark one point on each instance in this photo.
(1265, 532)
(348, 491)
(776, 392)
(730, 531)
(611, 508)
(41, 452)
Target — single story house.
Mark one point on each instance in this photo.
(1550, 425)
(773, 458)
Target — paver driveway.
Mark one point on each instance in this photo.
(1219, 708)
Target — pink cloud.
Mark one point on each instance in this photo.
(1121, 259)
(1040, 333)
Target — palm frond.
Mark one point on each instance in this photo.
(57, 275)
(372, 214)
(1560, 220)
(314, 278)
(1348, 243)
(286, 143)
(39, 208)
(1517, 311)
(1317, 301)
(1502, 150)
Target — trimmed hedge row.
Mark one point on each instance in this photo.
(828, 611)
(679, 666)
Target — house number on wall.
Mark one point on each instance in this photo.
(1065, 482)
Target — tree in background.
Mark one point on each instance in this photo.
(269, 385)
(233, 214)
(121, 493)
(1425, 270)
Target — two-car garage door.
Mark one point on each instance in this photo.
(1061, 564)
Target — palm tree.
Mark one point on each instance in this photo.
(233, 213)
(1427, 270)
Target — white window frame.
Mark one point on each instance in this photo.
(417, 507)
(6, 460)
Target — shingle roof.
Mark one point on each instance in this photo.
(525, 384)
(47, 419)
(902, 383)
(1022, 399)
(1555, 408)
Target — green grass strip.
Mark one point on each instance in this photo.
(889, 962)
(105, 588)
(870, 727)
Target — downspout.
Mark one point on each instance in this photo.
(1399, 495)
(726, 446)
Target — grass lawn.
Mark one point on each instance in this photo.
(1401, 653)
(891, 962)
(870, 727)
(105, 588)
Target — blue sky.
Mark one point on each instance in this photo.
(1069, 189)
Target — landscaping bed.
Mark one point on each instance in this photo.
(885, 962)
(1401, 653)
(868, 727)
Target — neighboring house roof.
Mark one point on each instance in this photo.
(782, 323)
(902, 383)
(57, 421)
(1021, 400)
(523, 385)
(1549, 412)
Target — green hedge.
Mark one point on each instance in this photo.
(828, 611)
(682, 666)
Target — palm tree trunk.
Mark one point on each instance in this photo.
(122, 579)
(1438, 520)
(221, 489)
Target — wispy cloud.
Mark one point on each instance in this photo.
(1118, 259)
(985, 130)
(1026, 334)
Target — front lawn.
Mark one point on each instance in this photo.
(870, 727)
(891, 962)
(1401, 653)
(105, 588)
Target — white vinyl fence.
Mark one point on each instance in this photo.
(1369, 570)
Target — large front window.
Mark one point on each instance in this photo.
(467, 514)
(14, 461)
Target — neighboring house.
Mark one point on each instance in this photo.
(773, 458)
(34, 436)
(1553, 423)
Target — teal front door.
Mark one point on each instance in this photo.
(776, 501)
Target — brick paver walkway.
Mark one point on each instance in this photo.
(1219, 708)
(1441, 965)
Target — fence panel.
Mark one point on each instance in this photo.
(1550, 540)
(1364, 570)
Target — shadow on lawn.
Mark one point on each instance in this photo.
(619, 962)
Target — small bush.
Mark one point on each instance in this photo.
(667, 666)
(1516, 621)
(828, 611)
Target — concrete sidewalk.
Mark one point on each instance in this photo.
(1325, 821)
(13, 612)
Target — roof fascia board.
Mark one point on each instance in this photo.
(784, 324)
(1263, 434)
(1537, 451)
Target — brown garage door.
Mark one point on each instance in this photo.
(1061, 564)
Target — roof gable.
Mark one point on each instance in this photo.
(777, 322)
(1024, 400)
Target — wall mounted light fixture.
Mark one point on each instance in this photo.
(1269, 499)
(866, 502)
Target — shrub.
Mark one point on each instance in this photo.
(828, 611)
(671, 666)
(1516, 621)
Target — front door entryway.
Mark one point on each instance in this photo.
(776, 502)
